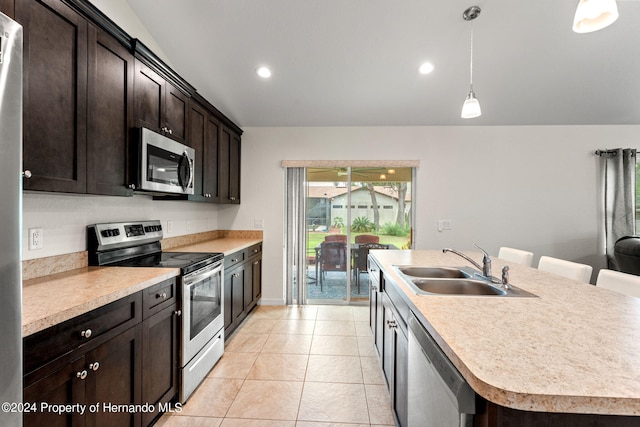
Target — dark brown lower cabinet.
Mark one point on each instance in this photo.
(59, 387)
(242, 286)
(120, 373)
(160, 361)
(395, 359)
(96, 383)
(113, 381)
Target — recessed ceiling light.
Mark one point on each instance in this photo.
(263, 72)
(426, 68)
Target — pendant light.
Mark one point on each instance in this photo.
(471, 106)
(594, 15)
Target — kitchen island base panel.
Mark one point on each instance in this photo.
(489, 415)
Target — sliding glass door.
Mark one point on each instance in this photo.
(349, 211)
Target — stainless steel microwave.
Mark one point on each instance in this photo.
(163, 165)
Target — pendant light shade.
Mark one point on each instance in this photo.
(594, 15)
(471, 106)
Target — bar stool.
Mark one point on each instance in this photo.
(572, 270)
(624, 283)
(516, 255)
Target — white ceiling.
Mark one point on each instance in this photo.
(354, 62)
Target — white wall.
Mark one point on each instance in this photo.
(120, 12)
(64, 218)
(534, 188)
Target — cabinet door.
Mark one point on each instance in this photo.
(55, 96)
(210, 178)
(8, 8)
(389, 343)
(229, 166)
(175, 113)
(197, 141)
(203, 136)
(227, 303)
(149, 94)
(63, 386)
(237, 294)
(224, 145)
(256, 278)
(114, 379)
(110, 116)
(401, 378)
(160, 370)
(234, 169)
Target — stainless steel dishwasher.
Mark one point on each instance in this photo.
(438, 395)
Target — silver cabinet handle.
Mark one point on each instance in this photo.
(234, 260)
(256, 262)
(162, 295)
(86, 333)
(27, 174)
(94, 366)
(170, 132)
(178, 312)
(391, 324)
(132, 186)
(82, 375)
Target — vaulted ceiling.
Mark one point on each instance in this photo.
(355, 62)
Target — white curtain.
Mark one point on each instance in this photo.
(619, 166)
(295, 256)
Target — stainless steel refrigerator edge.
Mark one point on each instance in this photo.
(10, 221)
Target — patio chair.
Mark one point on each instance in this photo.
(335, 238)
(367, 238)
(332, 257)
(360, 255)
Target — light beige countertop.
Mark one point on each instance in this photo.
(226, 245)
(53, 299)
(575, 348)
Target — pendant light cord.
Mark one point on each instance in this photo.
(471, 60)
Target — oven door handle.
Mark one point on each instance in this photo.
(200, 275)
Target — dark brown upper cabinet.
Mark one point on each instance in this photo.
(229, 166)
(88, 85)
(8, 8)
(203, 133)
(110, 114)
(55, 94)
(159, 105)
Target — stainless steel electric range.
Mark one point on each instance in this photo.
(137, 244)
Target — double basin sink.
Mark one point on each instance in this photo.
(461, 281)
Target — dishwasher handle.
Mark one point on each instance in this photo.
(464, 394)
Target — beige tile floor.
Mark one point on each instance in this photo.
(311, 366)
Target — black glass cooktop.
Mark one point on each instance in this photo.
(187, 261)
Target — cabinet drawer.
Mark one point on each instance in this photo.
(158, 297)
(235, 258)
(254, 250)
(92, 328)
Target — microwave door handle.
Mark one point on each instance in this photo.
(189, 166)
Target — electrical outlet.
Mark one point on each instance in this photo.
(169, 227)
(35, 239)
(258, 223)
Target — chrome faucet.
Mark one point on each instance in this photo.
(486, 260)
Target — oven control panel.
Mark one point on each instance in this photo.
(115, 235)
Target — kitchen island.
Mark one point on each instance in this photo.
(574, 349)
